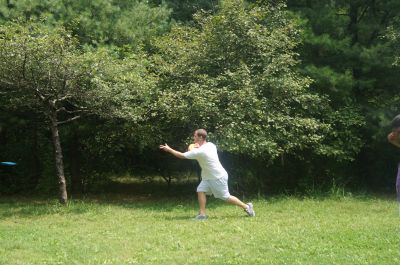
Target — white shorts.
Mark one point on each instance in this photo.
(217, 187)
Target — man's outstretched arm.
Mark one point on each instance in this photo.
(168, 149)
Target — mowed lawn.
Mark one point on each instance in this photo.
(138, 230)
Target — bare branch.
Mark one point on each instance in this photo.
(39, 94)
(49, 79)
(69, 111)
(62, 98)
(64, 81)
(24, 66)
(69, 120)
(7, 83)
(60, 109)
(78, 106)
(362, 14)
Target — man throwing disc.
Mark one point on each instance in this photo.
(214, 176)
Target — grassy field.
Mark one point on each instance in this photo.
(142, 230)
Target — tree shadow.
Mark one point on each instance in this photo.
(35, 206)
(135, 195)
(150, 196)
(23, 207)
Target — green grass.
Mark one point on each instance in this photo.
(143, 230)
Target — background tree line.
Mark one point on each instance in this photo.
(298, 95)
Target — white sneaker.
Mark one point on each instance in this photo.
(201, 217)
(250, 211)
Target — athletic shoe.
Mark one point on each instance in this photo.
(201, 217)
(250, 211)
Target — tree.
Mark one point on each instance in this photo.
(95, 22)
(236, 73)
(393, 34)
(343, 47)
(183, 10)
(345, 52)
(44, 70)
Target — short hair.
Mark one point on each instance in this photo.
(396, 122)
(201, 132)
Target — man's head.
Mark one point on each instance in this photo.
(200, 136)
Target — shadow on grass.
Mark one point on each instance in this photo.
(33, 206)
(23, 207)
(133, 195)
(153, 196)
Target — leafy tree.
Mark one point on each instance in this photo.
(343, 47)
(95, 22)
(236, 74)
(183, 10)
(345, 52)
(393, 35)
(42, 69)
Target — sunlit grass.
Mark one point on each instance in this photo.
(142, 230)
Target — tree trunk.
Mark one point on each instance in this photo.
(354, 31)
(353, 23)
(58, 158)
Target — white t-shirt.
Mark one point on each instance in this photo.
(207, 157)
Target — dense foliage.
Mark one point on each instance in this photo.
(95, 22)
(347, 54)
(43, 71)
(295, 97)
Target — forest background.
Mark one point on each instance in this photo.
(297, 95)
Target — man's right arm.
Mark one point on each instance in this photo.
(175, 153)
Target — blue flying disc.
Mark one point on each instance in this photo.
(8, 163)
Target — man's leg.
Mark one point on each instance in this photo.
(219, 188)
(248, 208)
(201, 196)
(236, 201)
